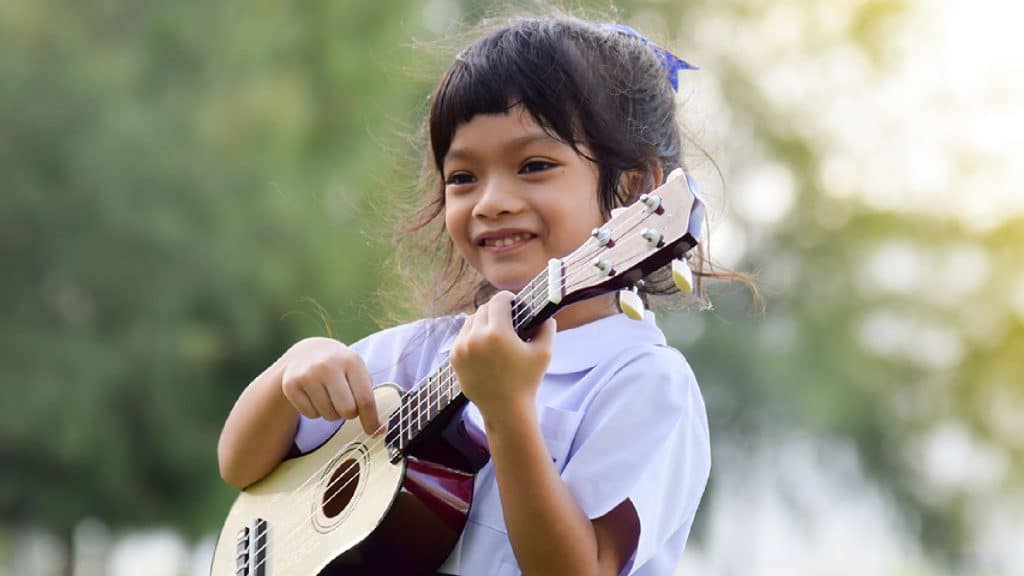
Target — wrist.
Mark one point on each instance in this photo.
(270, 384)
(511, 416)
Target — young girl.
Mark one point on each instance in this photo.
(596, 428)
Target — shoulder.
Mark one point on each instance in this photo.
(645, 371)
(647, 394)
(423, 333)
(657, 360)
(417, 329)
(407, 352)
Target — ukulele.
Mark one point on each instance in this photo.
(396, 503)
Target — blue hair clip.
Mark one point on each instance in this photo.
(669, 61)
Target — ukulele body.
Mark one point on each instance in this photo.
(349, 508)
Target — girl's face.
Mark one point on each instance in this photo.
(516, 197)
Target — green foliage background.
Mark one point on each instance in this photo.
(177, 180)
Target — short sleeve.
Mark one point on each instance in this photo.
(401, 355)
(644, 438)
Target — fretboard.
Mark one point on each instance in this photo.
(440, 390)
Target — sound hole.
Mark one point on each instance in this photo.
(341, 488)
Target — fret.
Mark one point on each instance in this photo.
(409, 419)
(419, 408)
(413, 420)
(422, 405)
(433, 407)
(429, 401)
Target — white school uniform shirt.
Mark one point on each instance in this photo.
(622, 417)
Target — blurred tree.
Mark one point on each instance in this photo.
(846, 349)
(176, 179)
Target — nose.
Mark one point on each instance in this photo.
(498, 197)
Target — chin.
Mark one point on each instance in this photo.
(510, 278)
(513, 287)
(512, 284)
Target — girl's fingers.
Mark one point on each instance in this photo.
(361, 388)
(321, 400)
(300, 400)
(482, 315)
(340, 395)
(467, 326)
(500, 315)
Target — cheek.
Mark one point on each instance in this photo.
(455, 224)
(447, 220)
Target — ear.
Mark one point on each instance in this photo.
(657, 175)
(633, 183)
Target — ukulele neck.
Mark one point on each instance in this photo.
(440, 392)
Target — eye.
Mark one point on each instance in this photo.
(534, 166)
(459, 178)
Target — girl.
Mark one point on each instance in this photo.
(596, 428)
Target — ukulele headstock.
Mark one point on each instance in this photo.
(661, 226)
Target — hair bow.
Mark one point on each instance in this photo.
(671, 63)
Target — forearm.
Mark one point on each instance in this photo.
(549, 532)
(258, 431)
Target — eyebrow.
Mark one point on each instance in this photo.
(515, 144)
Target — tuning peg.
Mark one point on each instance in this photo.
(604, 267)
(651, 202)
(682, 275)
(603, 236)
(652, 236)
(631, 304)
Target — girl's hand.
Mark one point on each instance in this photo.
(497, 370)
(323, 378)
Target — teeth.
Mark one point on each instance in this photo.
(506, 241)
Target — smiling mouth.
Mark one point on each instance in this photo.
(505, 241)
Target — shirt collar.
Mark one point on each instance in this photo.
(582, 348)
